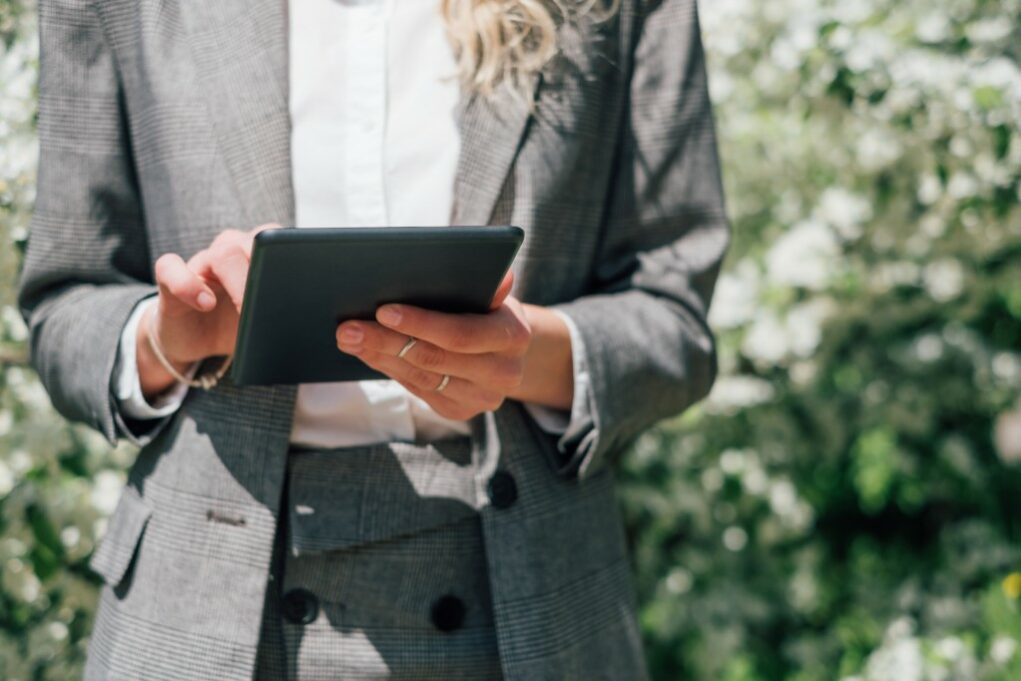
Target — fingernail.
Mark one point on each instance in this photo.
(389, 315)
(206, 300)
(351, 335)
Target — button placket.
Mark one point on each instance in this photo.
(299, 606)
(502, 490)
(448, 613)
(366, 75)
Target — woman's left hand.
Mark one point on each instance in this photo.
(483, 354)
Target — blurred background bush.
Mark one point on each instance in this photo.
(847, 504)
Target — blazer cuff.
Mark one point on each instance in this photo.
(577, 430)
(136, 418)
(127, 383)
(560, 421)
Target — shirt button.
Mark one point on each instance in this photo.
(448, 613)
(502, 489)
(299, 606)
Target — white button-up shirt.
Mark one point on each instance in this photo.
(374, 142)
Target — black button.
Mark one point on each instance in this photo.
(299, 606)
(503, 490)
(448, 613)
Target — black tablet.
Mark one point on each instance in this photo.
(303, 282)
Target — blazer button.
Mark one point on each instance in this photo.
(299, 606)
(448, 613)
(503, 490)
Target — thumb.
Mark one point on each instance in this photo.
(503, 290)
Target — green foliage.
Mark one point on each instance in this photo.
(58, 483)
(845, 504)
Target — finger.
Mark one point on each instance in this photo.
(502, 330)
(263, 228)
(503, 290)
(463, 392)
(442, 405)
(180, 285)
(231, 271)
(496, 371)
(249, 241)
(226, 261)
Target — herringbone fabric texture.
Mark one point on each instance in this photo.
(164, 122)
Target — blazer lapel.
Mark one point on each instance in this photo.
(240, 54)
(239, 48)
(491, 133)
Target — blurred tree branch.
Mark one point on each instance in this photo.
(13, 357)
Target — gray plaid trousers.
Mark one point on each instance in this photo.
(372, 580)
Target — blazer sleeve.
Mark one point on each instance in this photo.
(86, 265)
(649, 351)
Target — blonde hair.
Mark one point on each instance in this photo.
(497, 41)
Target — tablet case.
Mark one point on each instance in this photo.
(303, 282)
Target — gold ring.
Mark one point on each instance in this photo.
(407, 347)
(443, 383)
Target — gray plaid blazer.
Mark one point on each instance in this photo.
(164, 122)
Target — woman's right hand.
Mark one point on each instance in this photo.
(197, 311)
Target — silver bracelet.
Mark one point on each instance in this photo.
(205, 381)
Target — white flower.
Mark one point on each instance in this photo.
(106, 491)
(929, 189)
(20, 582)
(933, 28)
(7, 479)
(851, 12)
(679, 581)
(766, 340)
(736, 296)
(877, 149)
(804, 590)
(950, 647)
(1002, 649)
(802, 372)
(57, 631)
(989, 30)
(1000, 72)
(733, 393)
(735, 538)
(755, 481)
(783, 498)
(1007, 367)
(895, 273)
(943, 279)
(928, 348)
(1007, 435)
(871, 48)
(20, 461)
(14, 325)
(844, 211)
(900, 657)
(712, 480)
(962, 185)
(804, 325)
(732, 461)
(70, 536)
(806, 256)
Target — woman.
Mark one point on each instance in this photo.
(457, 521)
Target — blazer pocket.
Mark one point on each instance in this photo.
(116, 550)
